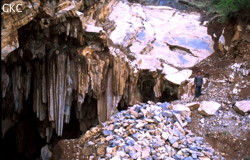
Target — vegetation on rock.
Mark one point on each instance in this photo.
(233, 9)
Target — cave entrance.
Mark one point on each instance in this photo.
(146, 85)
(88, 115)
(168, 96)
(122, 105)
(23, 141)
(71, 130)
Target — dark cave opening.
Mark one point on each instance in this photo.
(23, 141)
(88, 115)
(168, 96)
(72, 129)
(122, 105)
(146, 85)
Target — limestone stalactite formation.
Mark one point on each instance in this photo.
(64, 60)
(56, 82)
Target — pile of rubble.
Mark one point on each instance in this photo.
(146, 131)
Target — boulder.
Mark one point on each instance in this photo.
(208, 108)
(179, 76)
(242, 107)
(180, 107)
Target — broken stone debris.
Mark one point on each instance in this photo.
(154, 133)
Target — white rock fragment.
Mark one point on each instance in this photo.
(209, 108)
(242, 107)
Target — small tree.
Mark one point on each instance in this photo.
(233, 9)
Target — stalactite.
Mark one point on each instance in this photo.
(82, 81)
(52, 100)
(27, 80)
(132, 94)
(69, 91)
(44, 83)
(60, 85)
(4, 80)
(158, 88)
(17, 88)
(97, 85)
(120, 75)
(39, 107)
(96, 74)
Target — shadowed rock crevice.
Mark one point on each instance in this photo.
(146, 85)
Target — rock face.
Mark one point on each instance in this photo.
(155, 133)
(109, 57)
(176, 45)
(12, 21)
(208, 108)
(243, 107)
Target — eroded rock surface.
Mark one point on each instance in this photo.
(113, 53)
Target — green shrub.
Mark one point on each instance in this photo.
(233, 9)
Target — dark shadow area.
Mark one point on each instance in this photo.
(72, 129)
(89, 114)
(146, 85)
(22, 141)
(167, 96)
(122, 105)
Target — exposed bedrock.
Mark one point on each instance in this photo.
(79, 62)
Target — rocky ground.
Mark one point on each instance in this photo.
(165, 131)
(227, 81)
(144, 131)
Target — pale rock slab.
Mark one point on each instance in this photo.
(208, 108)
(179, 77)
(142, 31)
(242, 107)
(180, 107)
